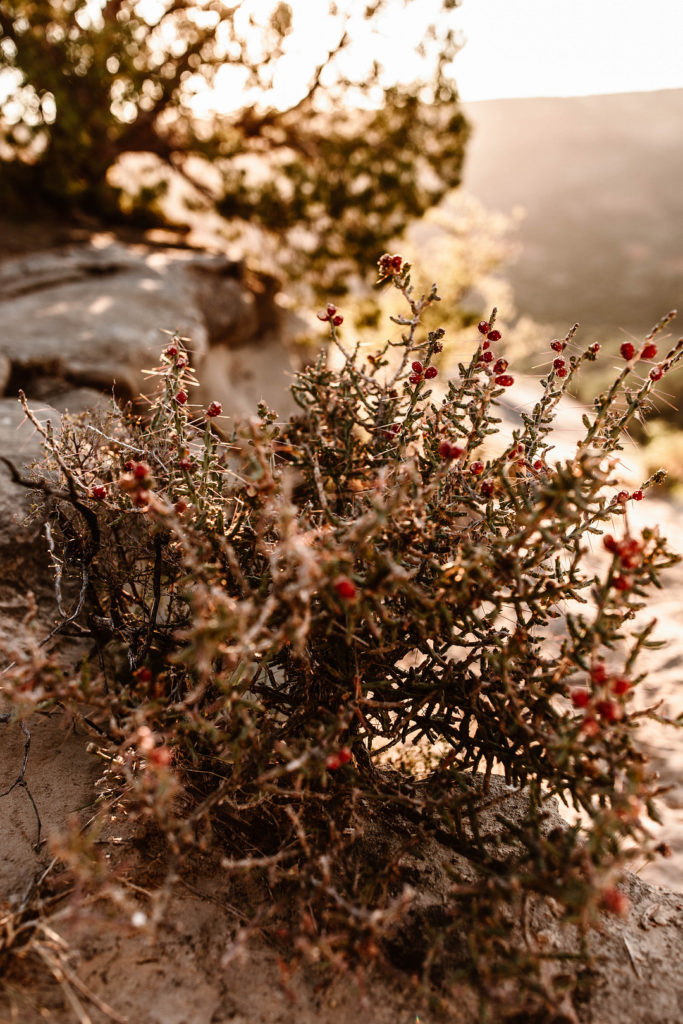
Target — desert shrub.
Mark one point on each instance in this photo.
(318, 642)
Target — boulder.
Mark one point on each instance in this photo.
(94, 314)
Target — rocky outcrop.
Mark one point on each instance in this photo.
(93, 315)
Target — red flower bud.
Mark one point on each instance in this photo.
(556, 345)
(99, 491)
(477, 468)
(171, 351)
(487, 357)
(500, 366)
(338, 320)
(649, 351)
(558, 363)
(622, 497)
(431, 372)
(417, 366)
(415, 378)
(637, 495)
(494, 335)
(214, 409)
(331, 309)
(562, 372)
(181, 397)
(627, 350)
(484, 327)
(505, 380)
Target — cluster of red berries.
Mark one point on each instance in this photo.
(330, 315)
(648, 351)
(420, 373)
(335, 761)
(600, 700)
(389, 265)
(629, 552)
(623, 496)
(502, 379)
(137, 480)
(173, 352)
(448, 450)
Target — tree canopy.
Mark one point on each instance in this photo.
(348, 160)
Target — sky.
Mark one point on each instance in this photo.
(512, 48)
(569, 47)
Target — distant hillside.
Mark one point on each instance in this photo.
(601, 179)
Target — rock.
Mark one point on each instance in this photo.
(93, 315)
(21, 444)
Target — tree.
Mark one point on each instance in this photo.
(349, 161)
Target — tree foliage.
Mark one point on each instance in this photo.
(352, 158)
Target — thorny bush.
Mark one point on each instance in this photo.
(318, 642)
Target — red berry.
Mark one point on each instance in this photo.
(487, 488)
(494, 335)
(500, 366)
(487, 357)
(181, 397)
(562, 372)
(649, 351)
(333, 762)
(214, 409)
(656, 373)
(621, 583)
(185, 463)
(397, 263)
(143, 675)
(627, 350)
(99, 492)
(637, 495)
(344, 755)
(558, 364)
(181, 506)
(142, 498)
(580, 698)
(599, 672)
(615, 902)
(415, 378)
(594, 349)
(141, 470)
(622, 497)
(620, 685)
(449, 451)
(608, 710)
(161, 756)
(345, 588)
(417, 366)
(485, 345)
(338, 320)
(610, 543)
(538, 465)
(505, 380)
(322, 316)
(484, 327)
(171, 351)
(590, 726)
(431, 372)
(556, 345)
(128, 465)
(181, 362)
(331, 309)
(477, 468)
